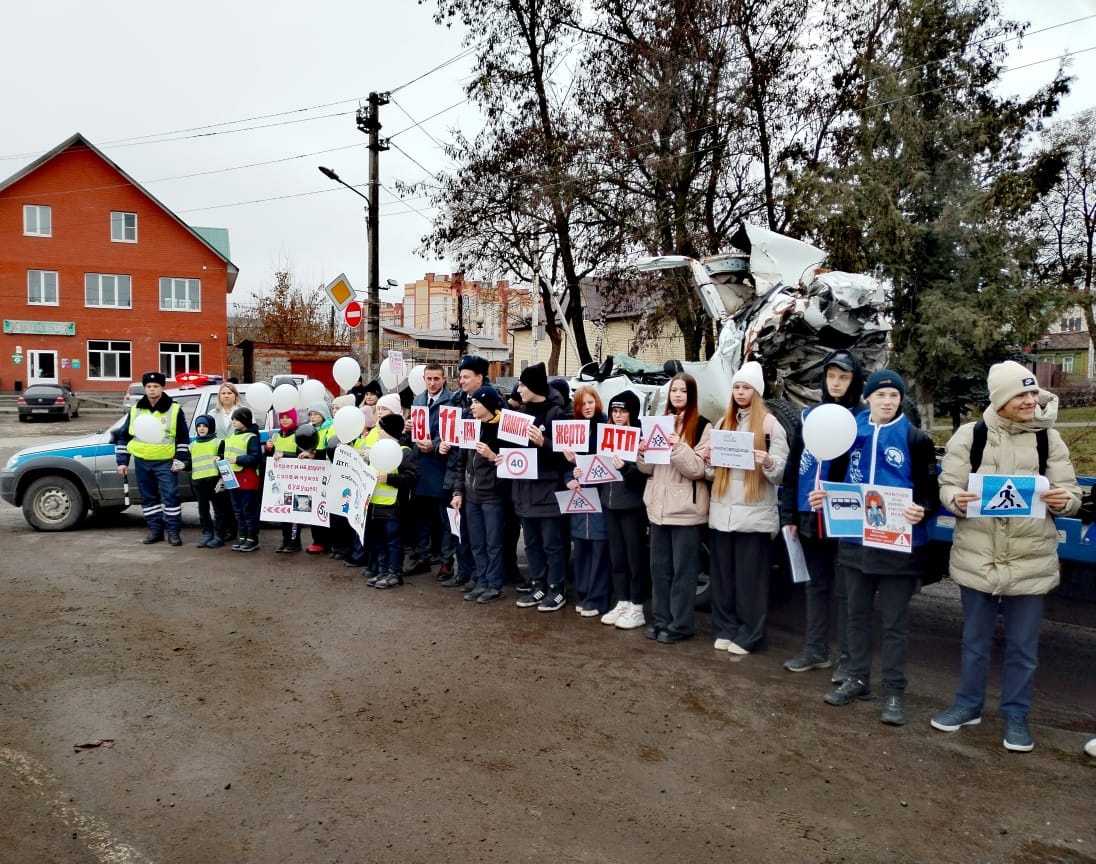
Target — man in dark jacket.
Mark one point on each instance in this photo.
(434, 541)
(157, 457)
(471, 375)
(535, 500)
(842, 383)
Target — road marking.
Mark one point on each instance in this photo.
(92, 831)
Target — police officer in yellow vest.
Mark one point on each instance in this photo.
(160, 447)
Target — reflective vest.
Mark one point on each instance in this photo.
(236, 445)
(323, 435)
(385, 495)
(203, 458)
(165, 447)
(286, 444)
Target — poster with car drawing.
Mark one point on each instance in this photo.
(293, 491)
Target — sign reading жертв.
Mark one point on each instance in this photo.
(41, 328)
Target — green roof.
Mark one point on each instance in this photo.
(215, 237)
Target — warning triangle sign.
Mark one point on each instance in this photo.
(582, 503)
(599, 471)
(901, 540)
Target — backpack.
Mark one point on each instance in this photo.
(978, 446)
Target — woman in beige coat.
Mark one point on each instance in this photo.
(677, 507)
(743, 517)
(1005, 565)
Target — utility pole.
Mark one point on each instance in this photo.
(368, 119)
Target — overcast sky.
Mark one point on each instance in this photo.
(192, 99)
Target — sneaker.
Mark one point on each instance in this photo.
(240, 541)
(533, 598)
(215, 543)
(631, 618)
(523, 587)
(807, 662)
(955, 718)
(489, 595)
(613, 615)
(389, 580)
(652, 632)
(1017, 735)
(669, 637)
(722, 644)
(474, 593)
(589, 612)
(249, 545)
(735, 648)
(204, 542)
(852, 688)
(894, 711)
(292, 547)
(552, 602)
(579, 607)
(454, 581)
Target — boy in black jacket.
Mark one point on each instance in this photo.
(384, 510)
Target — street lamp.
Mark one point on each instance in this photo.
(372, 320)
(458, 326)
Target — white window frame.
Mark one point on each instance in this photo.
(115, 348)
(176, 357)
(1067, 364)
(32, 220)
(175, 303)
(99, 277)
(118, 220)
(42, 274)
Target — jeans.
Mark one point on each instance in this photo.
(675, 565)
(825, 593)
(387, 544)
(159, 488)
(740, 563)
(1023, 615)
(895, 591)
(545, 553)
(629, 558)
(486, 527)
(245, 503)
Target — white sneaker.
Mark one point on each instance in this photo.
(1090, 747)
(632, 617)
(722, 644)
(588, 612)
(736, 649)
(613, 615)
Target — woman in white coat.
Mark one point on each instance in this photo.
(743, 517)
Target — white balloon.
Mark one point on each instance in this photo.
(828, 431)
(388, 376)
(259, 399)
(346, 372)
(386, 455)
(349, 423)
(148, 429)
(416, 379)
(310, 392)
(285, 398)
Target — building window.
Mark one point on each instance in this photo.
(1067, 364)
(37, 220)
(109, 360)
(184, 294)
(42, 287)
(107, 290)
(177, 357)
(123, 227)
(1072, 324)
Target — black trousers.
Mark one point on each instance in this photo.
(628, 555)
(740, 565)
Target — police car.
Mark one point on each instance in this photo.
(59, 484)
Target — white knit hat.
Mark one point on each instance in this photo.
(1009, 379)
(391, 402)
(752, 374)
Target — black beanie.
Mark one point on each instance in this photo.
(629, 401)
(374, 387)
(488, 397)
(535, 377)
(243, 415)
(392, 424)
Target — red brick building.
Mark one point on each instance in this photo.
(100, 282)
